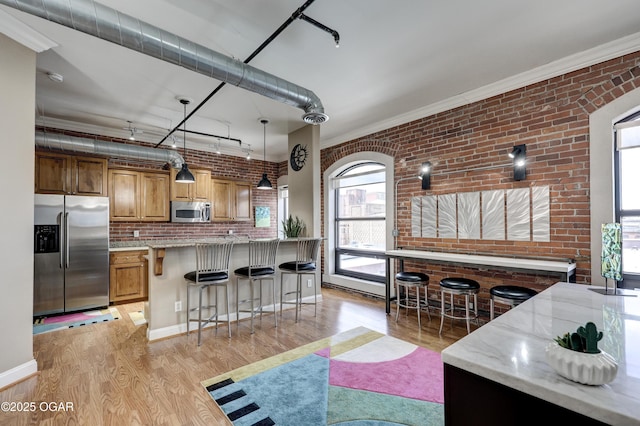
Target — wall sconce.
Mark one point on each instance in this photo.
(519, 156)
(425, 175)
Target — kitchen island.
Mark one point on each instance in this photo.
(498, 374)
(169, 260)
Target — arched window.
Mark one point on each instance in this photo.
(360, 221)
(627, 196)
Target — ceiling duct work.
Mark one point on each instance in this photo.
(108, 24)
(58, 141)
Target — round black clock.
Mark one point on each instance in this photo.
(298, 157)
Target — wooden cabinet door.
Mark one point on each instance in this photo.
(154, 200)
(124, 195)
(242, 201)
(221, 199)
(201, 189)
(53, 173)
(127, 276)
(89, 176)
(179, 191)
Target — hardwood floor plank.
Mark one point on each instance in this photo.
(112, 375)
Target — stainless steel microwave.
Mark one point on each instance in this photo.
(190, 211)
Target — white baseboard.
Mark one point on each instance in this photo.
(18, 373)
(177, 329)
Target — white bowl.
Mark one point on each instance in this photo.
(588, 369)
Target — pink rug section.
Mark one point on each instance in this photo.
(326, 352)
(418, 375)
(80, 316)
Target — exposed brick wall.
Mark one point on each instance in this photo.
(223, 166)
(551, 118)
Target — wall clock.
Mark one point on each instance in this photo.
(298, 157)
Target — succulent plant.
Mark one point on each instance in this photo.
(585, 339)
(293, 227)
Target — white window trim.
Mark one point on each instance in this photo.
(329, 210)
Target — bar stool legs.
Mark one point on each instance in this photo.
(463, 287)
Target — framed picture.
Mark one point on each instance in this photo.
(263, 217)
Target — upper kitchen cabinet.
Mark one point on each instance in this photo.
(198, 191)
(231, 200)
(138, 196)
(70, 175)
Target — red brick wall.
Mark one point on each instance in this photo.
(551, 118)
(223, 166)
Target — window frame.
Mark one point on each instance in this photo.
(629, 280)
(340, 251)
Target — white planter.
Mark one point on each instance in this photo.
(588, 369)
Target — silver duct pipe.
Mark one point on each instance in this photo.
(63, 142)
(108, 24)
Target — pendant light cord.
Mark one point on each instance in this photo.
(184, 132)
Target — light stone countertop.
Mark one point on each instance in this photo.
(155, 244)
(511, 350)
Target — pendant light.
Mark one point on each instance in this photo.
(264, 182)
(184, 175)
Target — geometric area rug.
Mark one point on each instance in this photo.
(359, 377)
(74, 320)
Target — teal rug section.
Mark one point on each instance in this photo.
(355, 407)
(291, 394)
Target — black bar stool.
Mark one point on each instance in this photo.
(455, 287)
(305, 264)
(511, 295)
(407, 281)
(212, 270)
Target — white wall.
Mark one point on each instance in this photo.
(304, 185)
(17, 119)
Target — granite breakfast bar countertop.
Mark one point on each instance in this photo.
(510, 351)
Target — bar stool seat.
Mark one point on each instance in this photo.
(511, 295)
(417, 281)
(455, 286)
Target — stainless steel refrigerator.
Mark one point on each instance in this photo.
(71, 253)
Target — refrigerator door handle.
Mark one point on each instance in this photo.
(59, 221)
(66, 238)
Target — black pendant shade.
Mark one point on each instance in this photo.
(264, 182)
(184, 175)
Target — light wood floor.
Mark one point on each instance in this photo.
(113, 376)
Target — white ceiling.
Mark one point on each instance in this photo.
(397, 61)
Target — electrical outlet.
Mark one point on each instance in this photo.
(178, 306)
(471, 306)
(309, 283)
(136, 234)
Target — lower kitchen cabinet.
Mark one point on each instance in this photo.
(128, 279)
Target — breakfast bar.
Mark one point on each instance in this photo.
(169, 260)
(498, 374)
(565, 268)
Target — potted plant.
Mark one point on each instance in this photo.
(576, 357)
(292, 228)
